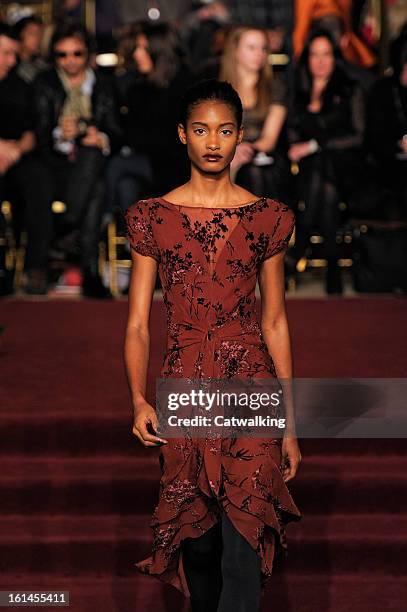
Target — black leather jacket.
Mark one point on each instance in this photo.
(48, 99)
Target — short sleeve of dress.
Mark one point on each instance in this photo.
(139, 231)
(281, 231)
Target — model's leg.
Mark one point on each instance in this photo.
(241, 566)
(202, 565)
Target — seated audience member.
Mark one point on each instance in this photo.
(30, 32)
(22, 177)
(307, 12)
(326, 131)
(152, 78)
(200, 26)
(386, 134)
(260, 164)
(203, 21)
(77, 127)
(364, 76)
(275, 16)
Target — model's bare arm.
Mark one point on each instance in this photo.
(137, 345)
(276, 335)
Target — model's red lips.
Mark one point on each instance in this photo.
(208, 156)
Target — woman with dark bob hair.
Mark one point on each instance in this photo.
(223, 502)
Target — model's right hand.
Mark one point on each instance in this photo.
(143, 416)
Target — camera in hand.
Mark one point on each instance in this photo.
(83, 125)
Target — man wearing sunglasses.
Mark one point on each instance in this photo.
(77, 128)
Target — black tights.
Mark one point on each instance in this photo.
(222, 570)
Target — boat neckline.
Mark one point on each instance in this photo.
(246, 205)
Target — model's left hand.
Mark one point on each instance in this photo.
(291, 457)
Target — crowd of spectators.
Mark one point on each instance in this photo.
(325, 126)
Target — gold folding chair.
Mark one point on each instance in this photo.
(114, 242)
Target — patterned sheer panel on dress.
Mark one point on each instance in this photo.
(217, 226)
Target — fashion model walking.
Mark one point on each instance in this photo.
(223, 502)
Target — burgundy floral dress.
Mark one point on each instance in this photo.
(209, 260)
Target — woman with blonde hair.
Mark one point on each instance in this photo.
(260, 163)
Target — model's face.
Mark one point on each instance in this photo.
(8, 53)
(71, 56)
(211, 136)
(321, 59)
(142, 56)
(252, 51)
(30, 40)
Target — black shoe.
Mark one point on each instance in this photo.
(92, 287)
(36, 282)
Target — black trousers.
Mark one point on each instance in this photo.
(25, 184)
(318, 188)
(222, 570)
(79, 185)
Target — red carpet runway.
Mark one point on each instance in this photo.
(77, 489)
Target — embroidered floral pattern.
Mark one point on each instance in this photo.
(179, 492)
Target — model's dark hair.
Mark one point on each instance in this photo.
(71, 30)
(6, 30)
(210, 89)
